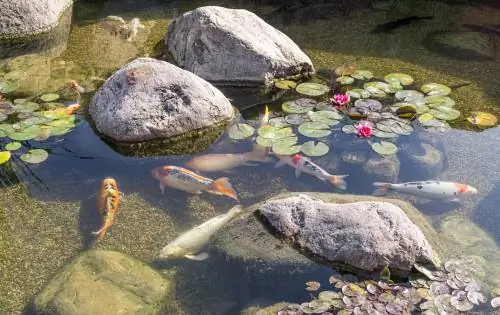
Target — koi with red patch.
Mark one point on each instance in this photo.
(188, 181)
(107, 204)
(447, 191)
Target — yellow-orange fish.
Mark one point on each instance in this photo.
(218, 162)
(107, 204)
(188, 181)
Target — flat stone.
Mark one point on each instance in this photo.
(421, 161)
(233, 47)
(462, 45)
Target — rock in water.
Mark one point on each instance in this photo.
(462, 45)
(26, 17)
(106, 282)
(233, 46)
(150, 99)
(421, 161)
(366, 235)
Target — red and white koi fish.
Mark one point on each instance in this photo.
(225, 162)
(447, 191)
(304, 164)
(188, 181)
(107, 204)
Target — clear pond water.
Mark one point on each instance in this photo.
(47, 211)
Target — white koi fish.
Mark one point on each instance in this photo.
(191, 242)
(133, 28)
(304, 164)
(447, 191)
(188, 181)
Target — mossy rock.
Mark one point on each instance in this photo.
(269, 310)
(106, 282)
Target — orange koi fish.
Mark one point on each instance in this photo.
(183, 179)
(107, 205)
(73, 108)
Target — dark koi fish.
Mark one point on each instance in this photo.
(390, 26)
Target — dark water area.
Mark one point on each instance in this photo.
(333, 33)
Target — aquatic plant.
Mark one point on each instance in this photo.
(482, 119)
(364, 129)
(341, 100)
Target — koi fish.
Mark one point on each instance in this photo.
(133, 28)
(224, 162)
(183, 179)
(390, 26)
(304, 164)
(107, 204)
(73, 108)
(73, 86)
(264, 119)
(191, 242)
(447, 191)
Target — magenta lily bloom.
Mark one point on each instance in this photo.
(341, 99)
(365, 129)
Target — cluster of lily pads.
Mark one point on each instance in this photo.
(452, 290)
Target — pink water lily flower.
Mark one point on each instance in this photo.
(341, 99)
(365, 129)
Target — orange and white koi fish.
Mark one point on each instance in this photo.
(74, 87)
(188, 181)
(447, 191)
(73, 108)
(304, 164)
(224, 162)
(107, 204)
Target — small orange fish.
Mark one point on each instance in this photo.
(73, 108)
(107, 204)
(188, 181)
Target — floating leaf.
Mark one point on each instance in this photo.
(482, 119)
(377, 89)
(26, 107)
(370, 104)
(362, 75)
(476, 297)
(295, 119)
(425, 117)
(294, 107)
(439, 100)
(35, 156)
(435, 89)
(3, 116)
(58, 130)
(383, 134)
(314, 130)
(358, 93)
(9, 87)
(50, 97)
(264, 142)
(46, 132)
(349, 129)
(407, 111)
(238, 131)
(285, 84)
(312, 149)
(4, 156)
(278, 122)
(325, 117)
(14, 75)
(445, 113)
(436, 125)
(19, 100)
(398, 78)
(24, 136)
(385, 148)
(345, 80)
(357, 113)
(410, 96)
(12, 146)
(272, 132)
(312, 89)
(286, 146)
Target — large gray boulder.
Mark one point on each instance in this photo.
(233, 47)
(25, 17)
(151, 99)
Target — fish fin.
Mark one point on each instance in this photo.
(280, 163)
(201, 256)
(92, 196)
(121, 196)
(222, 186)
(382, 188)
(162, 188)
(338, 181)
(297, 172)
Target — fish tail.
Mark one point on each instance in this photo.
(382, 188)
(101, 232)
(265, 118)
(222, 186)
(235, 210)
(338, 181)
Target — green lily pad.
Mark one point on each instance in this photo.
(3, 116)
(377, 89)
(312, 89)
(407, 111)
(7, 128)
(358, 93)
(312, 149)
(12, 146)
(36, 120)
(345, 80)
(278, 122)
(399, 78)
(395, 87)
(25, 134)
(385, 148)
(436, 125)
(383, 134)
(402, 129)
(286, 146)
(411, 97)
(46, 132)
(314, 129)
(286, 142)
(425, 117)
(69, 123)
(295, 119)
(49, 97)
(285, 84)
(14, 75)
(272, 132)
(325, 117)
(435, 89)
(4, 156)
(482, 119)
(19, 100)
(362, 75)
(439, 100)
(9, 87)
(26, 107)
(292, 107)
(349, 129)
(264, 142)
(237, 131)
(35, 156)
(445, 113)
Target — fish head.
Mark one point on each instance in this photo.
(172, 251)
(160, 172)
(471, 190)
(109, 182)
(464, 189)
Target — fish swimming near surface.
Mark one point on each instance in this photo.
(446, 191)
(390, 26)
(304, 164)
(191, 242)
(107, 204)
(188, 181)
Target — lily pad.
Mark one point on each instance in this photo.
(436, 125)
(399, 78)
(445, 113)
(264, 142)
(19, 100)
(35, 156)
(349, 129)
(278, 122)
(362, 75)
(384, 134)
(435, 89)
(294, 107)
(3, 116)
(439, 100)
(425, 117)
(12, 146)
(285, 84)
(385, 148)
(4, 156)
(7, 128)
(46, 132)
(312, 89)
(482, 119)
(345, 80)
(272, 132)
(240, 131)
(9, 87)
(377, 89)
(324, 117)
(49, 97)
(286, 146)
(410, 96)
(312, 149)
(26, 107)
(314, 129)
(407, 111)
(295, 119)
(358, 93)
(370, 104)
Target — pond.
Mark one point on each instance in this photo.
(48, 209)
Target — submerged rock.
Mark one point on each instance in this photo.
(462, 45)
(150, 99)
(106, 282)
(21, 18)
(233, 46)
(422, 161)
(385, 167)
